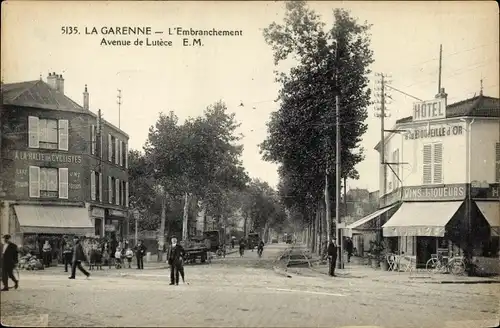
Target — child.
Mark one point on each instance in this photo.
(129, 254)
(118, 260)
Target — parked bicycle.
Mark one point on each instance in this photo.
(442, 264)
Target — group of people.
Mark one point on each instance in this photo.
(243, 245)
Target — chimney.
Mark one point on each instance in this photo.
(85, 99)
(442, 94)
(52, 80)
(60, 83)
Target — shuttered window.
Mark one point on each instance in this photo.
(117, 191)
(34, 181)
(63, 183)
(497, 162)
(33, 132)
(48, 134)
(126, 155)
(126, 194)
(437, 169)
(92, 186)
(117, 151)
(110, 148)
(427, 164)
(100, 142)
(110, 190)
(93, 139)
(433, 163)
(63, 134)
(100, 187)
(121, 153)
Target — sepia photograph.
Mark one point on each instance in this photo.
(250, 164)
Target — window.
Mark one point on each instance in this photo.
(110, 147)
(433, 163)
(126, 194)
(395, 167)
(93, 138)
(47, 182)
(117, 151)
(125, 154)
(497, 162)
(95, 186)
(117, 192)
(111, 188)
(48, 133)
(121, 153)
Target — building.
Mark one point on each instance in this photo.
(441, 179)
(64, 170)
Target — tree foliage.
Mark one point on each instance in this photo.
(301, 133)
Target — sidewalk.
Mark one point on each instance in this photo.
(358, 270)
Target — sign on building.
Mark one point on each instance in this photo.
(429, 109)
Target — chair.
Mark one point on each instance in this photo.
(391, 259)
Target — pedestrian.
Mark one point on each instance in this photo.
(232, 243)
(332, 254)
(161, 250)
(242, 246)
(78, 257)
(46, 253)
(129, 254)
(67, 253)
(10, 258)
(349, 247)
(176, 256)
(140, 252)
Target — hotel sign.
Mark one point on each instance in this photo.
(46, 157)
(429, 109)
(435, 132)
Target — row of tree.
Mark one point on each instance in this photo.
(330, 60)
(194, 166)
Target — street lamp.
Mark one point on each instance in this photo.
(136, 214)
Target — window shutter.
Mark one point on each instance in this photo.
(34, 177)
(92, 185)
(117, 151)
(63, 183)
(110, 190)
(126, 194)
(93, 143)
(117, 189)
(497, 162)
(100, 140)
(33, 132)
(110, 148)
(63, 134)
(427, 164)
(100, 187)
(121, 153)
(438, 163)
(126, 155)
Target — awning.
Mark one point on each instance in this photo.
(421, 219)
(54, 220)
(356, 225)
(491, 212)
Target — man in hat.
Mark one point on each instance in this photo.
(140, 252)
(176, 255)
(67, 252)
(332, 254)
(78, 257)
(9, 262)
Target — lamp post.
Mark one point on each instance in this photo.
(136, 218)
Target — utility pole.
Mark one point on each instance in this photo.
(440, 67)
(98, 141)
(119, 102)
(337, 180)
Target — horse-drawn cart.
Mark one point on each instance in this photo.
(195, 248)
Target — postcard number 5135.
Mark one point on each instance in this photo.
(69, 30)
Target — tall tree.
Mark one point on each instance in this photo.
(300, 136)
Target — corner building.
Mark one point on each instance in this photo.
(442, 176)
(63, 170)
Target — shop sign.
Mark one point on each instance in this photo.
(116, 213)
(98, 212)
(445, 192)
(109, 228)
(46, 157)
(434, 131)
(429, 109)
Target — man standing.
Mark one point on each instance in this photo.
(332, 254)
(349, 247)
(176, 255)
(67, 253)
(140, 252)
(78, 257)
(9, 262)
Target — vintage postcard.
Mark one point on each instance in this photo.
(250, 163)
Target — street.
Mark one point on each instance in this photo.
(241, 292)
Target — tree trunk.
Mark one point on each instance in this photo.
(185, 217)
(321, 230)
(161, 233)
(245, 222)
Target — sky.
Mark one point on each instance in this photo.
(239, 69)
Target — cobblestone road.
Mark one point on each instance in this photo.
(230, 292)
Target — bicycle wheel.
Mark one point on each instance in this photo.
(432, 265)
(457, 267)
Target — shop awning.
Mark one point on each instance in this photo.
(351, 228)
(491, 212)
(54, 220)
(421, 219)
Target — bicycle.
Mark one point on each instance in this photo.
(441, 264)
(221, 252)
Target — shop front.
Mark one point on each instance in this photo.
(97, 215)
(115, 224)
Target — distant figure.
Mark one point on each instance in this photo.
(176, 255)
(140, 252)
(46, 254)
(232, 243)
(349, 248)
(10, 258)
(260, 248)
(332, 254)
(129, 254)
(78, 257)
(67, 253)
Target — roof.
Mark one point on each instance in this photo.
(38, 94)
(477, 106)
